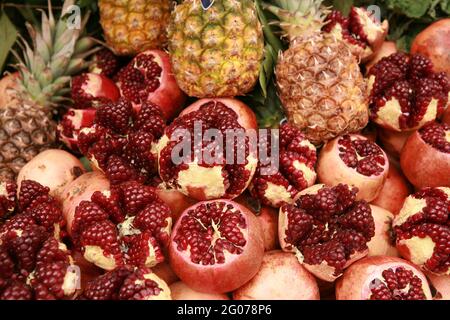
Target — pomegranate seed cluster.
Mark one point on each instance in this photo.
(327, 225)
(297, 159)
(7, 198)
(350, 27)
(128, 225)
(437, 135)
(81, 96)
(406, 94)
(210, 232)
(105, 63)
(121, 141)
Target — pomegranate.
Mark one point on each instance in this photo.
(441, 286)
(52, 168)
(176, 200)
(361, 30)
(73, 121)
(8, 191)
(393, 141)
(180, 291)
(280, 277)
(405, 92)
(122, 142)
(434, 43)
(297, 158)
(216, 246)
(425, 158)
(446, 116)
(79, 190)
(206, 153)
(382, 278)
(127, 225)
(355, 160)
(88, 271)
(91, 89)
(126, 283)
(387, 48)
(423, 229)
(383, 242)
(395, 189)
(327, 229)
(104, 62)
(165, 272)
(149, 78)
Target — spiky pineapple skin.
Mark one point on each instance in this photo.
(321, 87)
(216, 52)
(133, 26)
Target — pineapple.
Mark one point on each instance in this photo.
(319, 81)
(133, 26)
(26, 124)
(216, 52)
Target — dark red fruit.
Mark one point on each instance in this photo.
(72, 123)
(105, 63)
(91, 89)
(7, 198)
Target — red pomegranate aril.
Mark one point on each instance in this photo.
(104, 63)
(382, 278)
(72, 123)
(425, 158)
(8, 191)
(91, 89)
(216, 246)
(386, 49)
(354, 160)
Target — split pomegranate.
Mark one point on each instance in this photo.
(434, 43)
(91, 89)
(297, 158)
(393, 141)
(441, 286)
(354, 160)
(423, 229)
(126, 283)
(382, 278)
(206, 153)
(148, 78)
(383, 242)
(8, 191)
(280, 277)
(180, 291)
(327, 229)
(73, 121)
(386, 49)
(216, 246)
(105, 63)
(122, 142)
(360, 30)
(127, 225)
(405, 92)
(425, 158)
(54, 169)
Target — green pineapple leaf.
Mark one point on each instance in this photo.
(8, 34)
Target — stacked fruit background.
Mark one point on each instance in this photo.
(95, 204)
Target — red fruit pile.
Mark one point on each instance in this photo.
(105, 63)
(7, 198)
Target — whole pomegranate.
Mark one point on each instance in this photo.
(148, 78)
(425, 158)
(280, 277)
(434, 43)
(387, 48)
(354, 160)
(180, 291)
(216, 246)
(423, 229)
(405, 92)
(383, 242)
(90, 89)
(327, 229)
(382, 278)
(54, 169)
(206, 153)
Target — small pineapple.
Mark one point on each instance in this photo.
(133, 26)
(216, 52)
(319, 81)
(26, 124)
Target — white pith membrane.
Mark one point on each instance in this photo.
(92, 84)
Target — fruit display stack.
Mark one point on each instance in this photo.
(225, 150)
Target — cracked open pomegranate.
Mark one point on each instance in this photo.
(128, 225)
(127, 283)
(216, 246)
(354, 160)
(382, 278)
(70, 125)
(425, 158)
(297, 158)
(91, 89)
(148, 78)
(327, 229)
(360, 30)
(405, 92)
(8, 190)
(206, 152)
(423, 230)
(386, 49)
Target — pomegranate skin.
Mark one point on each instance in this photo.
(176, 201)
(54, 169)
(446, 116)
(424, 165)
(226, 277)
(180, 291)
(165, 272)
(280, 277)
(387, 48)
(393, 141)
(382, 243)
(441, 284)
(434, 43)
(356, 281)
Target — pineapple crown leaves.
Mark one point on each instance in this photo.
(57, 51)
